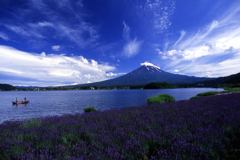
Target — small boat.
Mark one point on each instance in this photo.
(22, 102)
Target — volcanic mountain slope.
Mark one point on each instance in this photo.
(146, 74)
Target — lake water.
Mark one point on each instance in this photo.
(49, 103)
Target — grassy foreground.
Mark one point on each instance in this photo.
(203, 128)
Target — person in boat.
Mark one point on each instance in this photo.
(16, 100)
(25, 99)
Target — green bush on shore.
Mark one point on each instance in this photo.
(89, 109)
(162, 98)
(205, 94)
(225, 92)
(210, 93)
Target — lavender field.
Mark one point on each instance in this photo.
(203, 128)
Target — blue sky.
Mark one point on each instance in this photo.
(62, 42)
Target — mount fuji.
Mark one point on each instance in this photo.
(145, 74)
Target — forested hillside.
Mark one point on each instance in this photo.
(6, 87)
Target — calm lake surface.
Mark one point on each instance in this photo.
(50, 103)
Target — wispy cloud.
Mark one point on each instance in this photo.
(54, 20)
(126, 32)
(132, 47)
(4, 36)
(182, 35)
(56, 48)
(161, 11)
(200, 53)
(24, 31)
(45, 24)
(50, 69)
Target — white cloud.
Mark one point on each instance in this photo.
(110, 74)
(43, 69)
(131, 48)
(84, 60)
(43, 54)
(208, 74)
(56, 48)
(7, 70)
(176, 70)
(89, 76)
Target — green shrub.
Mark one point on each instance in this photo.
(207, 93)
(89, 109)
(160, 99)
(225, 92)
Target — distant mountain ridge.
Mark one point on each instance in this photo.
(145, 74)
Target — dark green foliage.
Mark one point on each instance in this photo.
(89, 109)
(136, 87)
(211, 83)
(229, 90)
(206, 94)
(222, 82)
(85, 87)
(6, 87)
(225, 92)
(234, 79)
(158, 85)
(236, 86)
(233, 89)
(162, 98)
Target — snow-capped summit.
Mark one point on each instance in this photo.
(149, 64)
